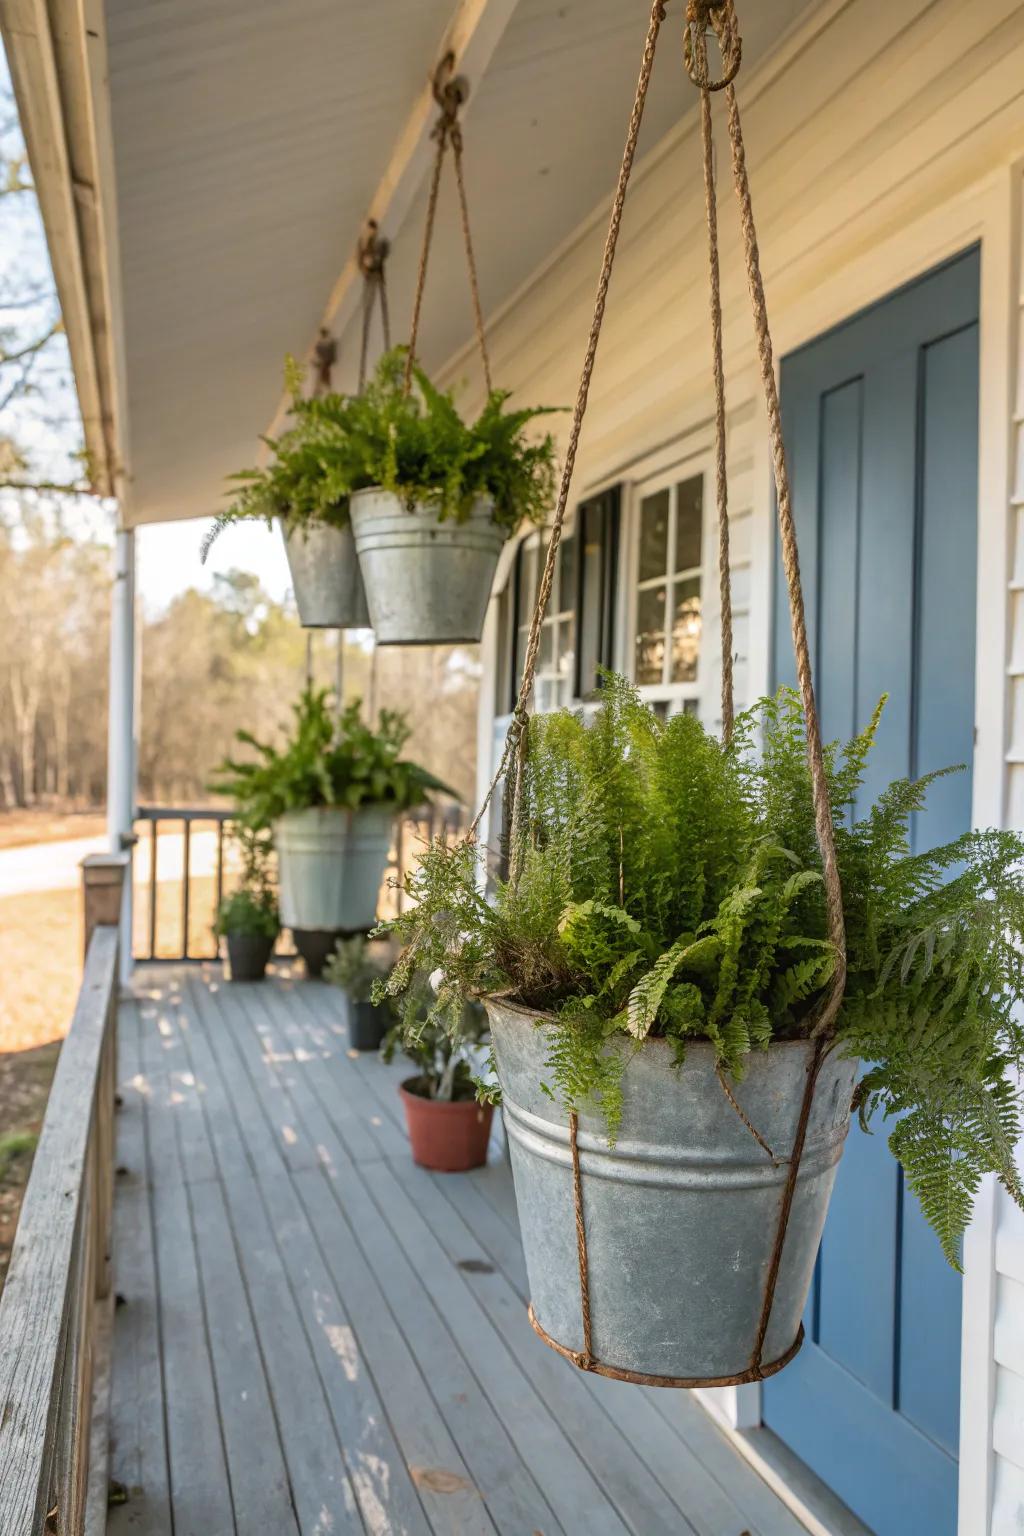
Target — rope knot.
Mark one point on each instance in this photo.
(720, 17)
(450, 91)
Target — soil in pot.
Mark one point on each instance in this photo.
(368, 1023)
(446, 1136)
(248, 955)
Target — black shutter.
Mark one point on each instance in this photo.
(597, 539)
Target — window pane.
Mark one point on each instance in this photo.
(566, 594)
(650, 634)
(527, 581)
(686, 627)
(689, 522)
(566, 658)
(545, 656)
(653, 536)
(522, 636)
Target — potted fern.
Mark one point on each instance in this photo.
(449, 1129)
(330, 794)
(653, 978)
(247, 919)
(434, 499)
(356, 966)
(298, 488)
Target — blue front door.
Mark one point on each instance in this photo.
(881, 423)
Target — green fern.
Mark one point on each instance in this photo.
(414, 444)
(671, 887)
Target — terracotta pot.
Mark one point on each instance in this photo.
(448, 1137)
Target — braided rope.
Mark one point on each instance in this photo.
(721, 476)
(720, 16)
(474, 285)
(372, 253)
(450, 92)
(428, 235)
(825, 1022)
(515, 739)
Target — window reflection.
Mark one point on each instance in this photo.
(650, 635)
(686, 630)
(668, 598)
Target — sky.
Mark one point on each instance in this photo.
(47, 421)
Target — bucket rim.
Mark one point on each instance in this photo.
(541, 1019)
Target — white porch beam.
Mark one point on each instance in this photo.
(122, 752)
(472, 37)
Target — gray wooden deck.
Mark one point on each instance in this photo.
(318, 1337)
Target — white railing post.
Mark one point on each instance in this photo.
(121, 733)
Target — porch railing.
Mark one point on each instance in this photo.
(182, 893)
(59, 1277)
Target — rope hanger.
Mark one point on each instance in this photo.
(371, 254)
(451, 91)
(718, 17)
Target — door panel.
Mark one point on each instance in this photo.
(880, 419)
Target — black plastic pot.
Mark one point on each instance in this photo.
(368, 1023)
(317, 945)
(248, 954)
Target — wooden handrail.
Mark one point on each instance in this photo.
(60, 1269)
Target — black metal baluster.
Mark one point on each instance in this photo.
(186, 855)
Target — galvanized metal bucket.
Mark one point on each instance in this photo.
(427, 583)
(326, 577)
(681, 1214)
(330, 866)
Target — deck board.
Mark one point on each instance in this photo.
(304, 1347)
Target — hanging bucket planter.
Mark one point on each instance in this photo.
(427, 582)
(330, 865)
(326, 577)
(681, 1215)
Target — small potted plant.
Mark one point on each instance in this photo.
(449, 1127)
(247, 919)
(298, 489)
(433, 500)
(330, 794)
(356, 965)
(653, 974)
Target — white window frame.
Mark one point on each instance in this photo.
(677, 696)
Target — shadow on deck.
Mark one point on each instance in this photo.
(319, 1337)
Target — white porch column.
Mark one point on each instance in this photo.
(121, 728)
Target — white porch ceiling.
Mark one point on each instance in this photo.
(239, 145)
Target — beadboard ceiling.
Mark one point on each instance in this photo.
(249, 138)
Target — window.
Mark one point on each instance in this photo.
(578, 630)
(668, 588)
